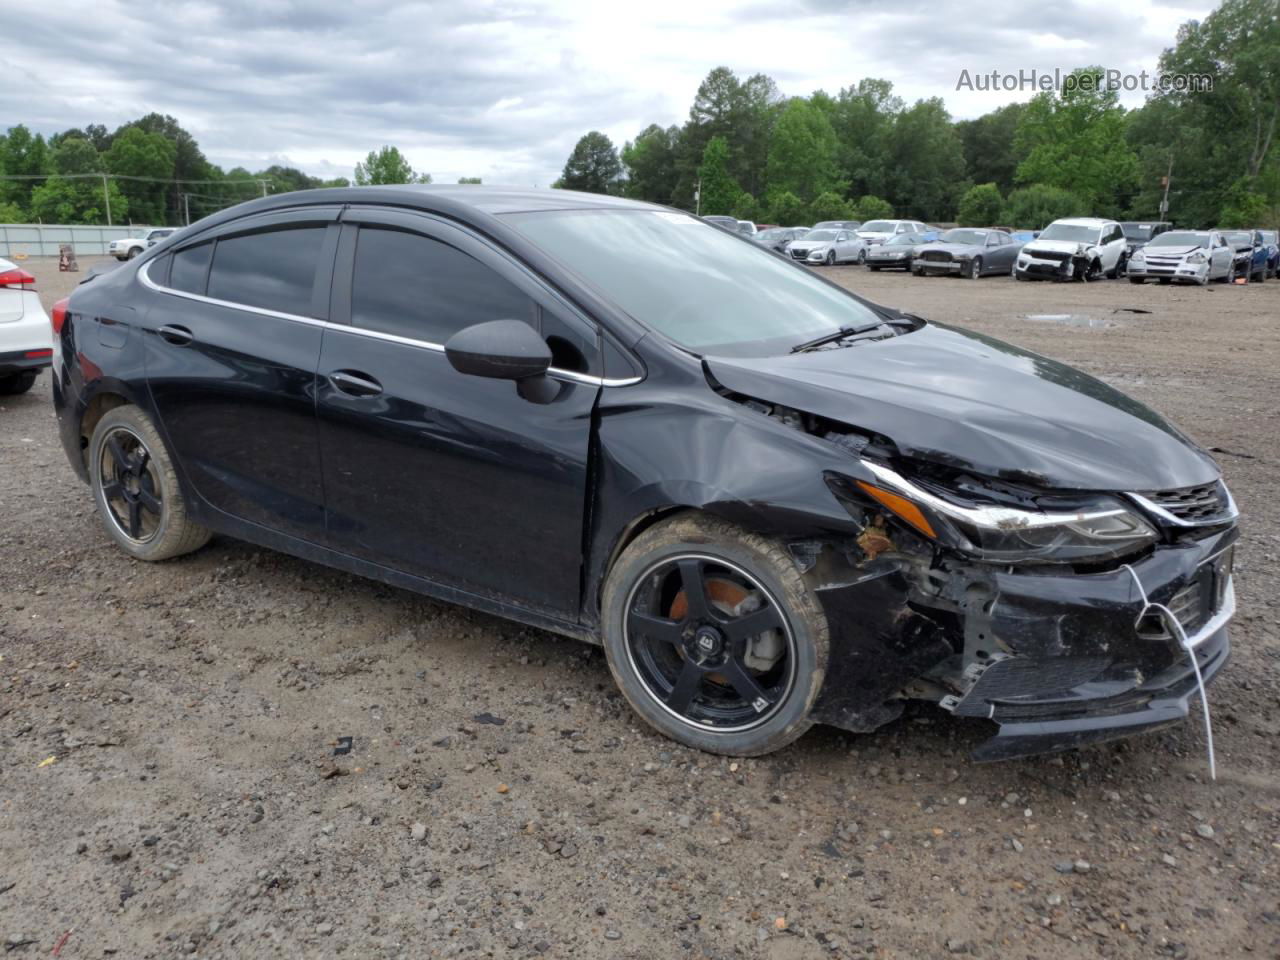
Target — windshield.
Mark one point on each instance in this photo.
(878, 226)
(821, 235)
(1137, 231)
(1070, 232)
(967, 237)
(774, 233)
(1180, 238)
(1238, 238)
(1269, 236)
(707, 291)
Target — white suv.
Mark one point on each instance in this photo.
(878, 231)
(130, 247)
(1081, 248)
(26, 338)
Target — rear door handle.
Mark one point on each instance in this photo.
(179, 336)
(355, 384)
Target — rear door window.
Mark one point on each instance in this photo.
(190, 269)
(274, 269)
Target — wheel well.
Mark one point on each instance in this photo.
(98, 408)
(629, 533)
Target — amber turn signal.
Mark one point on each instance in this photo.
(900, 507)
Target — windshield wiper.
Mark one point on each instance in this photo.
(843, 333)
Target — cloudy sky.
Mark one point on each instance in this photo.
(503, 88)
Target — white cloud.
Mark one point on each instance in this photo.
(503, 88)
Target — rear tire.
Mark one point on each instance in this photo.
(16, 383)
(689, 662)
(136, 489)
(133, 252)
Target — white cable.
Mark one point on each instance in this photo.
(1172, 624)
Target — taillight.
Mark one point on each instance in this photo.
(15, 279)
(59, 315)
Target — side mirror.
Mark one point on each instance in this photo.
(505, 350)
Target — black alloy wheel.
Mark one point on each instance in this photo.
(130, 486)
(709, 643)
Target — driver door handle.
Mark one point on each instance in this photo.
(355, 384)
(177, 335)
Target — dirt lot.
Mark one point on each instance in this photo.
(193, 804)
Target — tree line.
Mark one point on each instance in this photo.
(155, 173)
(750, 152)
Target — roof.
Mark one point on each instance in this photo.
(1084, 221)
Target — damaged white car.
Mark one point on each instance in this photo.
(1080, 248)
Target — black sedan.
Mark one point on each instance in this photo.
(773, 502)
(969, 253)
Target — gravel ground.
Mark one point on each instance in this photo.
(169, 784)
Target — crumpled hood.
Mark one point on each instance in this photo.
(1055, 246)
(956, 397)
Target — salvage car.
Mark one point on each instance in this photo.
(26, 345)
(828, 247)
(1079, 248)
(969, 253)
(878, 231)
(1251, 254)
(1138, 233)
(897, 252)
(773, 502)
(1271, 240)
(1184, 256)
(779, 238)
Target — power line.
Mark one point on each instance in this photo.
(261, 181)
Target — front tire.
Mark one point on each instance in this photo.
(714, 637)
(17, 383)
(831, 258)
(136, 489)
(1138, 280)
(133, 252)
(975, 268)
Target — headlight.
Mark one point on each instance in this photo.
(1138, 256)
(1101, 529)
(1197, 258)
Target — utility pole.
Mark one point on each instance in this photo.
(697, 198)
(1164, 203)
(264, 187)
(106, 195)
(186, 209)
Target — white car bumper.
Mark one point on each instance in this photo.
(26, 342)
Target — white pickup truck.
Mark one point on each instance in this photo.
(130, 247)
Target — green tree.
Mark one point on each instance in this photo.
(593, 166)
(803, 152)
(988, 146)
(650, 162)
(11, 213)
(870, 207)
(980, 206)
(863, 117)
(719, 190)
(281, 179)
(63, 200)
(136, 153)
(1036, 206)
(22, 154)
(387, 165)
(924, 172)
(787, 210)
(1075, 140)
(76, 155)
(831, 206)
(470, 180)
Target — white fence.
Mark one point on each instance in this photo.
(43, 240)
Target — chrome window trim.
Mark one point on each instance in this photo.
(571, 376)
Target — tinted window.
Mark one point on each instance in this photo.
(412, 286)
(190, 268)
(274, 270)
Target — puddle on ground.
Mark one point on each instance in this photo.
(1072, 319)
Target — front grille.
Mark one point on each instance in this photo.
(1194, 505)
(940, 256)
(799, 254)
(1188, 606)
(1049, 255)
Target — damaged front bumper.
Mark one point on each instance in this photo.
(1056, 659)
